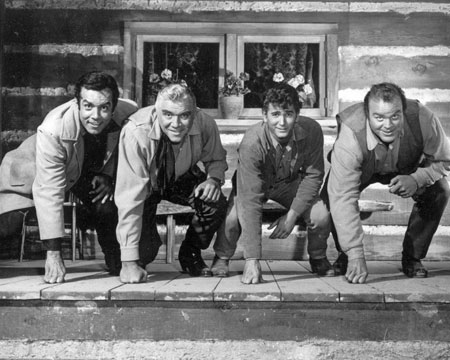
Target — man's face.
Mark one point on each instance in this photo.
(96, 109)
(175, 118)
(386, 118)
(280, 122)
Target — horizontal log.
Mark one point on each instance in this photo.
(370, 29)
(36, 71)
(408, 72)
(27, 112)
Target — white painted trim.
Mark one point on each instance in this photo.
(355, 52)
(189, 6)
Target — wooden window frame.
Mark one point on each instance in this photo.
(231, 37)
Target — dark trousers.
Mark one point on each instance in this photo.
(101, 217)
(430, 203)
(204, 223)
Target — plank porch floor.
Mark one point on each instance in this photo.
(292, 299)
(284, 281)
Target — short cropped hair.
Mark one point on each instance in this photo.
(387, 92)
(97, 80)
(175, 93)
(282, 95)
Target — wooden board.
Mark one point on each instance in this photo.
(232, 289)
(297, 283)
(187, 288)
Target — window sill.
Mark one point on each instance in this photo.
(239, 125)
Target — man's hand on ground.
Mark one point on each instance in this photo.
(54, 268)
(357, 271)
(252, 272)
(132, 273)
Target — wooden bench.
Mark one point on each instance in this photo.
(170, 210)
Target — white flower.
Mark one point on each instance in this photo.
(166, 74)
(308, 89)
(278, 77)
(297, 81)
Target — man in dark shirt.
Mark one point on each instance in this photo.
(281, 159)
(75, 149)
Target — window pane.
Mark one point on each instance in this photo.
(195, 63)
(298, 63)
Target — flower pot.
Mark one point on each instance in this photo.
(231, 106)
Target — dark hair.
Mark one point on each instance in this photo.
(282, 95)
(97, 80)
(386, 92)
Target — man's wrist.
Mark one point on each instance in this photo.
(217, 180)
(52, 244)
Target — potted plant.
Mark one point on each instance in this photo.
(231, 95)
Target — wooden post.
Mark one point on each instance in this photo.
(2, 32)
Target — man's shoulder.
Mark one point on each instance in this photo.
(254, 135)
(142, 117)
(308, 123)
(123, 110)
(53, 122)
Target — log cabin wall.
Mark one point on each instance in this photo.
(48, 44)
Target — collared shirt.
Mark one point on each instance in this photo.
(285, 157)
(386, 156)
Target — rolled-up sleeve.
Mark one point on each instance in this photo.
(343, 190)
(131, 191)
(436, 149)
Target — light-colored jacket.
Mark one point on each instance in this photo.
(48, 164)
(136, 172)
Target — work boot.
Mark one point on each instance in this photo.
(321, 267)
(219, 267)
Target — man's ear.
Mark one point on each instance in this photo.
(264, 114)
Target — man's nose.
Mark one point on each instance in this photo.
(388, 122)
(176, 120)
(95, 113)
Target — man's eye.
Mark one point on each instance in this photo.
(276, 114)
(167, 114)
(88, 106)
(185, 116)
(290, 114)
(395, 117)
(105, 108)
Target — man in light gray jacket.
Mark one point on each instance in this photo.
(75, 149)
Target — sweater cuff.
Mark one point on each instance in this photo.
(52, 244)
(129, 253)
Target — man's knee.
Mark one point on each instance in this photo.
(10, 224)
(108, 210)
(320, 217)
